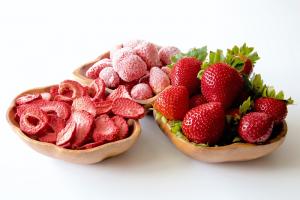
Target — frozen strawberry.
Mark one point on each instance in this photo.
(133, 43)
(33, 120)
(141, 91)
(105, 130)
(84, 103)
(114, 49)
(95, 69)
(120, 55)
(167, 70)
(158, 80)
(121, 123)
(91, 145)
(49, 137)
(56, 123)
(165, 54)
(128, 108)
(148, 52)
(130, 68)
(129, 85)
(197, 100)
(103, 107)
(27, 98)
(121, 91)
(84, 122)
(71, 89)
(110, 77)
(145, 78)
(97, 90)
(66, 134)
(46, 96)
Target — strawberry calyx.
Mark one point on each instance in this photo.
(198, 53)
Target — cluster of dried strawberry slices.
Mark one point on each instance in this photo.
(138, 66)
(215, 99)
(74, 116)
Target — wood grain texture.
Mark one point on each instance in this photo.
(228, 153)
(88, 156)
(80, 76)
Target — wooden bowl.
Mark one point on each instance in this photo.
(88, 156)
(228, 153)
(80, 76)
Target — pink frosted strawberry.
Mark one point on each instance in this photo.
(141, 91)
(148, 52)
(158, 80)
(95, 69)
(165, 54)
(110, 77)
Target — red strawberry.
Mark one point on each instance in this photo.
(105, 130)
(121, 91)
(33, 120)
(197, 100)
(274, 107)
(255, 127)
(121, 123)
(84, 121)
(66, 134)
(204, 124)
(27, 98)
(173, 102)
(221, 83)
(84, 103)
(128, 108)
(96, 90)
(184, 73)
(103, 107)
(248, 67)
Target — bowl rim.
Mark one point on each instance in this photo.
(279, 137)
(15, 126)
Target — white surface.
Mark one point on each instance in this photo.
(42, 42)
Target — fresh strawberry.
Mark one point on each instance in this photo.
(33, 120)
(105, 130)
(27, 98)
(121, 91)
(274, 107)
(121, 123)
(204, 124)
(197, 100)
(66, 134)
(221, 83)
(83, 121)
(173, 102)
(128, 108)
(255, 127)
(184, 73)
(84, 103)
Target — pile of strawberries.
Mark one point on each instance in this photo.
(74, 116)
(216, 100)
(138, 65)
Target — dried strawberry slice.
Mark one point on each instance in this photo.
(105, 130)
(84, 103)
(121, 123)
(56, 123)
(71, 89)
(121, 91)
(97, 89)
(91, 145)
(103, 107)
(84, 122)
(66, 134)
(128, 108)
(33, 120)
(49, 137)
(46, 96)
(27, 98)
(54, 91)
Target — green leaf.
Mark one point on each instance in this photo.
(246, 106)
(199, 53)
(175, 126)
(213, 57)
(236, 139)
(164, 119)
(257, 84)
(280, 95)
(290, 101)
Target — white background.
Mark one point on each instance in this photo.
(41, 43)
